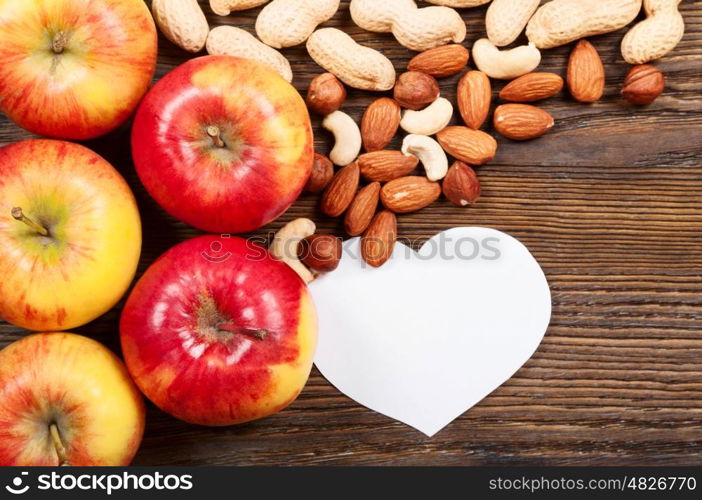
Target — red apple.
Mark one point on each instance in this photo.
(217, 332)
(74, 69)
(223, 143)
(66, 400)
(70, 235)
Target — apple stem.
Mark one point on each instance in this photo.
(59, 42)
(257, 333)
(214, 132)
(18, 215)
(58, 445)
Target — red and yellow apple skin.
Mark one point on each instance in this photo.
(74, 69)
(75, 384)
(223, 143)
(216, 332)
(89, 257)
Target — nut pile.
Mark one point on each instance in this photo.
(374, 184)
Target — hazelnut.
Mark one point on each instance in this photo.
(326, 94)
(320, 252)
(642, 84)
(322, 173)
(461, 186)
(415, 90)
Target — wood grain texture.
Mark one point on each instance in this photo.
(609, 202)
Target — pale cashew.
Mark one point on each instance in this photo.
(378, 16)
(429, 152)
(347, 137)
(506, 19)
(657, 35)
(355, 65)
(231, 41)
(430, 120)
(562, 21)
(285, 23)
(416, 29)
(285, 243)
(459, 4)
(505, 64)
(225, 7)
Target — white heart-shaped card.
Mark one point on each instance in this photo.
(430, 333)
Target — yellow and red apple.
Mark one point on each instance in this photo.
(223, 143)
(70, 235)
(74, 69)
(217, 332)
(66, 400)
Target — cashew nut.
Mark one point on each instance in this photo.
(347, 137)
(655, 36)
(232, 41)
(416, 29)
(505, 64)
(429, 120)
(429, 152)
(285, 23)
(225, 7)
(285, 242)
(355, 65)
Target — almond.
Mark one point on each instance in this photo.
(586, 74)
(474, 147)
(532, 87)
(386, 165)
(409, 194)
(521, 122)
(461, 185)
(415, 90)
(321, 175)
(474, 95)
(380, 123)
(362, 209)
(440, 62)
(341, 190)
(378, 242)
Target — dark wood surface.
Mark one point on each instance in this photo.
(609, 202)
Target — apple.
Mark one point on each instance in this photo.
(70, 235)
(74, 69)
(66, 400)
(223, 143)
(217, 332)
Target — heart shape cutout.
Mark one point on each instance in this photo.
(430, 333)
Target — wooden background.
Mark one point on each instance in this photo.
(610, 204)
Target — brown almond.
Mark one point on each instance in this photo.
(326, 94)
(321, 175)
(362, 208)
(532, 87)
(386, 165)
(461, 185)
(440, 62)
(378, 242)
(415, 90)
(474, 95)
(409, 194)
(521, 122)
(474, 147)
(341, 190)
(380, 123)
(586, 74)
